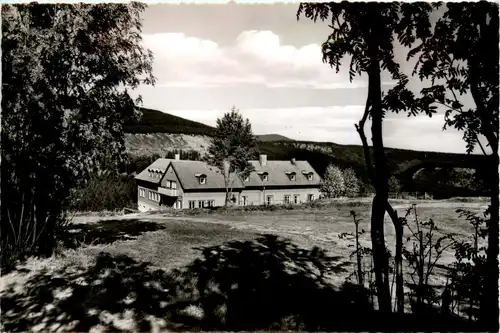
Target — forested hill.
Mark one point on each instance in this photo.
(159, 133)
(154, 121)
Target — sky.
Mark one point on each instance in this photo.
(261, 60)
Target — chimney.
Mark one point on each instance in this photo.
(177, 156)
(263, 160)
(293, 161)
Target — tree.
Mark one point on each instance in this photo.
(66, 71)
(366, 32)
(333, 185)
(394, 184)
(351, 181)
(458, 60)
(231, 148)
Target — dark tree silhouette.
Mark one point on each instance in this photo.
(365, 32)
(65, 74)
(458, 59)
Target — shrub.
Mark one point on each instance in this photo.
(333, 185)
(105, 193)
(351, 183)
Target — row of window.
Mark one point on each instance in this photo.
(152, 195)
(202, 203)
(287, 199)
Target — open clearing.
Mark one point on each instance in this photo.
(160, 241)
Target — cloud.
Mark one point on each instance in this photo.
(255, 57)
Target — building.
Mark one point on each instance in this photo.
(194, 184)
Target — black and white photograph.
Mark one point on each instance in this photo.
(244, 166)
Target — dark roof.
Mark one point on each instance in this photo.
(189, 172)
(160, 164)
(278, 173)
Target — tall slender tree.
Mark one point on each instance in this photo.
(366, 32)
(231, 148)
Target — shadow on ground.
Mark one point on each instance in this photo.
(107, 231)
(267, 283)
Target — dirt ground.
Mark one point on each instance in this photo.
(170, 242)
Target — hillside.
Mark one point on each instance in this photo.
(443, 174)
(154, 121)
(272, 137)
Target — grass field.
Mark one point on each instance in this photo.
(138, 250)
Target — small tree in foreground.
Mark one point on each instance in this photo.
(333, 185)
(231, 148)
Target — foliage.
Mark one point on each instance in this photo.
(423, 255)
(366, 32)
(468, 269)
(351, 183)
(457, 59)
(360, 250)
(333, 185)
(231, 148)
(107, 192)
(394, 185)
(190, 154)
(65, 74)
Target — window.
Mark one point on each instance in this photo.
(211, 203)
(287, 199)
(310, 197)
(292, 176)
(247, 178)
(264, 178)
(168, 184)
(244, 200)
(173, 185)
(269, 199)
(149, 195)
(203, 180)
(201, 203)
(192, 204)
(310, 176)
(296, 198)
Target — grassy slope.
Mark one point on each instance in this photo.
(175, 242)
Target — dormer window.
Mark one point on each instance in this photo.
(263, 175)
(247, 178)
(308, 174)
(202, 178)
(291, 175)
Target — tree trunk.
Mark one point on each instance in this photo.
(380, 258)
